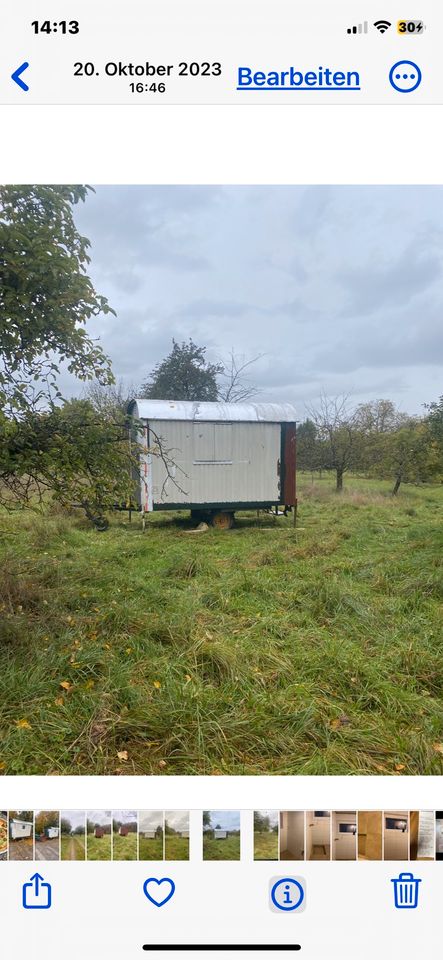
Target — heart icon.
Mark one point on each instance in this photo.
(151, 890)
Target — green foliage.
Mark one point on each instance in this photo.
(262, 822)
(46, 296)
(70, 454)
(435, 421)
(184, 374)
(407, 455)
(309, 448)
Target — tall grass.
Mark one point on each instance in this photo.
(260, 650)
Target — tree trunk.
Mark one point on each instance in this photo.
(339, 484)
(396, 486)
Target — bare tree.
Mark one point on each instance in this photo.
(235, 385)
(110, 399)
(337, 430)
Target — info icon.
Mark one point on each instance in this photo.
(287, 894)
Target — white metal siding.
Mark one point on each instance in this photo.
(217, 462)
(20, 828)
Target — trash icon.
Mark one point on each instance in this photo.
(406, 891)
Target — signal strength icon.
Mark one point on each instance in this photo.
(382, 25)
(358, 28)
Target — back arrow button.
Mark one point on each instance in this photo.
(16, 76)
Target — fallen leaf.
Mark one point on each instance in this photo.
(65, 685)
(89, 684)
(122, 755)
(438, 747)
(2, 765)
(400, 766)
(342, 721)
(157, 684)
(59, 702)
(187, 677)
(162, 763)
(23, 724)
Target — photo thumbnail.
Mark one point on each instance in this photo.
(47, 835)
(221, 835)
(99, 835)
(73, 835)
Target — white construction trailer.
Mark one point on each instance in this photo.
(220, 834)
(20, 829)
(51, 833)
(214, 458)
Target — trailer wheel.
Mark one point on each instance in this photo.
(222, 520)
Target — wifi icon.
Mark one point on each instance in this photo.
(382, 25)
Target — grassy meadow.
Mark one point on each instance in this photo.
(262, 650)
(99, 848)
(266, 845)
(124, 848)
(176, 848)
(150, 849)
(228, 849)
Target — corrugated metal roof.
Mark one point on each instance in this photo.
(225, 412)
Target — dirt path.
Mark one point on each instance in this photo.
(72, 849)
(21, 849)
(47, 850)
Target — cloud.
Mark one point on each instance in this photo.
(335, 286)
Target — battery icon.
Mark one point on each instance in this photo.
(410, 28)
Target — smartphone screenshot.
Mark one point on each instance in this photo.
(221, 480)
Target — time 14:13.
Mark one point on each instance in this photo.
(54, 26)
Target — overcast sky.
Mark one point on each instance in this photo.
(273, 816)
(101, 817)
(228, 819)
(150, 820)
(339, 287)
(75, 817)
(177, 819)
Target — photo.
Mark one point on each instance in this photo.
(422, 835)
(98, 835)
(221, 480)
(396, 835)
(47, 835)
(370, 836)
(318, 835)
(150, 835)
(21, 834)
(292, 835)
(439, 834)
(124, 835)
(73, 834)
(344, 835)
(221, 835)
(3, 835)
(265, 835)
(176, 835)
